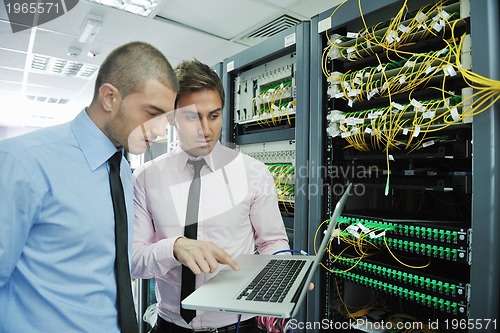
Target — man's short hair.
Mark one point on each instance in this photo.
(129, 66)
(194, 75)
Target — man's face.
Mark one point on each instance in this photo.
(198, 120)
(141, 117)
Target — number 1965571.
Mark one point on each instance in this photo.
(39, 7)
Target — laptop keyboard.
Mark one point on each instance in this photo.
(273, 281)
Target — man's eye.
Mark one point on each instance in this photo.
(192, 117)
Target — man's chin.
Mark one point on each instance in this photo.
(199, 151)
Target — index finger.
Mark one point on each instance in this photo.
(224, 258)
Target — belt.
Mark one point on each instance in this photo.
(246, 326)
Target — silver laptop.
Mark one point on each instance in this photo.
(239, 292)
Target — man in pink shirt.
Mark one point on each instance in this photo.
(237, 212)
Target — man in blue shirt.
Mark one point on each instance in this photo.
(57, 248)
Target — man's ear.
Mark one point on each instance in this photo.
(110, 96)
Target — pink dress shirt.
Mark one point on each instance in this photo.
(238, 211)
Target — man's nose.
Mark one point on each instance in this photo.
(204, 128)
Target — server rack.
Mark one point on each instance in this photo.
(458, 288)
(266, 116)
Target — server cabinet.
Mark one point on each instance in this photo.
(403, 103)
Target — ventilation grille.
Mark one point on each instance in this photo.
(57, 66)
(270, 29)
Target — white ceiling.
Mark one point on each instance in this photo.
(209, 30)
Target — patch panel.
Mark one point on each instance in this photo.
(283, 173)
(419, 244)
(460, 254)
(414, 229)
(279, 156)
(407, 113)
(435, 302)
(271, 152)
(344, 47)
(396, 77)
(265, 95)
(412, 279)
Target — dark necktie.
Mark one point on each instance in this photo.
(126, 311)
(190, 231)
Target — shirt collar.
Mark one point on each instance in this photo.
(183, 157)
(95, 145)
(218, 157)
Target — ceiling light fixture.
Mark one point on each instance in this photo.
(139, 7)
(90, 28)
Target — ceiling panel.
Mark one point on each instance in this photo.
(280, 3)
(311, 8)
(52, 44)
(71, 22)
(49, 92)
(218, 17)
(13, 41)
(11, 75)
(10, 87)
(52, 80)
(217, 52)
(118, 26)
(12, 59)
(177, 43)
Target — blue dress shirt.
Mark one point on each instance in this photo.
(57, 230)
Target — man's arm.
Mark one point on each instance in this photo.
(19, 204)
(270, 233)
(150, 257)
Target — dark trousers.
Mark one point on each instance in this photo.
(247, 326)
